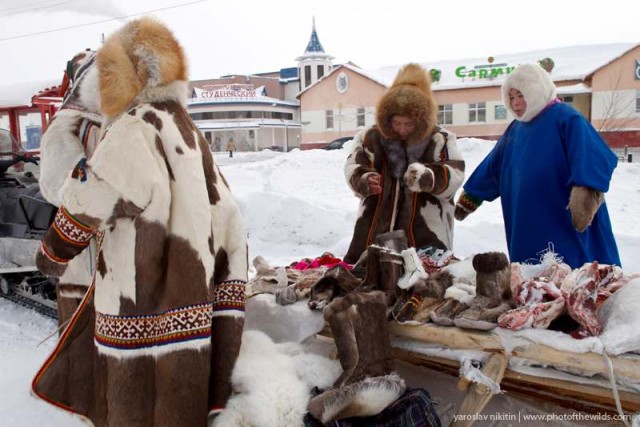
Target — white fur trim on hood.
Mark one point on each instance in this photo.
(536, 86)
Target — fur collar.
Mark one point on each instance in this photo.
(536, 86)
(142, 62)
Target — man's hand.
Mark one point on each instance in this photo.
(374, 183)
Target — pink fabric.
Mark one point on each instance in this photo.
(326, 259)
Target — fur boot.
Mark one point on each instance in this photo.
(391, 267)
(445, 313)
(458, 297)
(336, 282)
(384, 268)
(423, 294)
(368, 384)
(584, 202)
(413, 269)
(493, 292)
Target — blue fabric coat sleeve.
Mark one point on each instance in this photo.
(484, 182)
(591, 161)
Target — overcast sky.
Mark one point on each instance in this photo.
(251, 36)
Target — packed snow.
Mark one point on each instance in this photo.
(298, 205)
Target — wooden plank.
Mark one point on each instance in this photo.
(479, 394)
(456, 338)
(585, 392)
(449, 336)
(583, 397)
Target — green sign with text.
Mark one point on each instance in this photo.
(483, 71)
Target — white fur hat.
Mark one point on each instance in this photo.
(536, 87)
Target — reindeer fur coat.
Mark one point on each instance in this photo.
(156, 337)
(419, 176)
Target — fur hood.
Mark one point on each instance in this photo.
(410, 96)
(142, 62)
(83, 92)
(536, 86)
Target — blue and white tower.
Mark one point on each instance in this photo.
(314, 62)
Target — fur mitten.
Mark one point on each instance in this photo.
(583, 205)
(465, 205)
(419, 178)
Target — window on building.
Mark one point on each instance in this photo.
(360, 116)
(445, 114)
(320, 71)
(225, 115)
(252, 134)
(499, 112)
(478, 112)
(307, 75)
(329, 119)
(567, 99)
(637, 100)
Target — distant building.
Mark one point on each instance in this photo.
(257, 111)
(600, 81)
(253, 111)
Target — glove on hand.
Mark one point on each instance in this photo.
(583, 205)
(465, 205)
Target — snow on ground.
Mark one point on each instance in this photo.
(295, 205)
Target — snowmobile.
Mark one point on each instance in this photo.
(24, 218)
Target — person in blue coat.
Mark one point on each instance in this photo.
(551, 169)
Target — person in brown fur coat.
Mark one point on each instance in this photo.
(405, 169)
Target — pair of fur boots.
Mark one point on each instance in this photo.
(460, 296)
(368, 383)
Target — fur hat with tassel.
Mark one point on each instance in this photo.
(409, 96)
(143, 61)
(536, 86)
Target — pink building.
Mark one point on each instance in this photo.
(600, 81)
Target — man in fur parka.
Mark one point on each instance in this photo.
(72, 135)
(405, 169)
(154, 341)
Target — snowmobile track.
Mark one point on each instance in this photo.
(34, 305)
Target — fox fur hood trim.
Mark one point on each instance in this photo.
(536, 86)
(141, 62)
(409, 96)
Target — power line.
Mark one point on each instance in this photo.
(100, 22)
(21, 9)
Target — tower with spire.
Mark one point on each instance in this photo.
(314, 62)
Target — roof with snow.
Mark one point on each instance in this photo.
(348, 66)
(571, 63)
